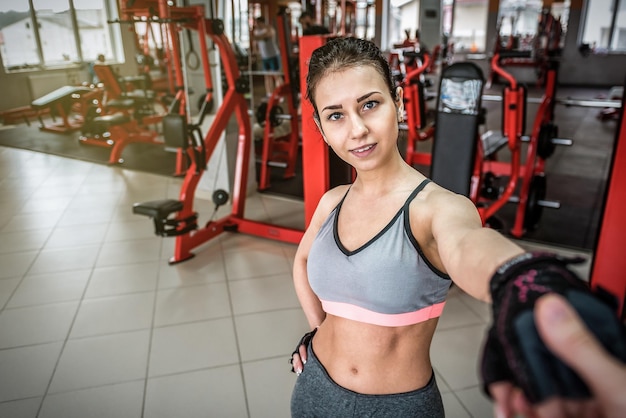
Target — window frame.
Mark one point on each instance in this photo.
(615, 10)
(112, 30)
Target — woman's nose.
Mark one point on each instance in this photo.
(358, 127)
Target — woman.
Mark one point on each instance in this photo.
(373, 268)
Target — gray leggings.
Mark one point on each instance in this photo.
(317, 395)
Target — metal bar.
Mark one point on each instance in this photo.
(617, 104)
(551, 204)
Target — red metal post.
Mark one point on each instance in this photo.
(608, 269)
(315, 165)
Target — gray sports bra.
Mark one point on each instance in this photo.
(387, 281)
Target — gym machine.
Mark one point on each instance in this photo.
(177, 218)
(471, 167)
(541, 144)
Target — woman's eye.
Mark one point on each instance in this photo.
(334, 116)
(370, 104)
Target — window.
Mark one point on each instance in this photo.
(463, 22)
(39, 34)
(604, 25)
(466, 22)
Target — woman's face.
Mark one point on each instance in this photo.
(358, 116)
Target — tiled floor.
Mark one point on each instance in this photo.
(95, 323)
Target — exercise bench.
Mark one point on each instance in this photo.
(60, 101)
(116, 131)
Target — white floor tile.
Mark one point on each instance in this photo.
(36, 324)
(187, 347)
(263, 294)
(52, 261)
(97, 361)
(256, 262)
(269, 400)
(114, 314)
(129, 252)
(29, 221)
(206, 267)
(119, 280)
(29, 368)
(454, 408)
(455, 354)
(23, 408)
(206, 393)
(96, 199)
(44, 204)
(457, 314)
(16, 265)
(191, 303)
(270, 334)
(7, 287)
(130, 230)
(50, 288)
(111, 401)
(85, 217)
(77, 236)
(58, 187)
(12, 242)
(480, 308)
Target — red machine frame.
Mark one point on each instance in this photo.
(609, 263)
(417, 130)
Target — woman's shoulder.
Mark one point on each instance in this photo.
(332, 197)
(435, 199)
(326, 204)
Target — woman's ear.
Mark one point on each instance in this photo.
(400, 103)
(399, 96)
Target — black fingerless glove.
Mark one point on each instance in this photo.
(514, 351)
(305, 341)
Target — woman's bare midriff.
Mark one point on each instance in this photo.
(375, 360)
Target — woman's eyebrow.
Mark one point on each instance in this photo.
(332, 107)
(358, 100)
(365, 96)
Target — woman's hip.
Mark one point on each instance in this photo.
(316, 394)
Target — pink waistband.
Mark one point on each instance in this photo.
(356, 313)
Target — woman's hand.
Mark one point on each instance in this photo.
(569, 339)
(298, 360)
(299, 355)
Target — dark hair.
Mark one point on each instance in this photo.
(340, 54)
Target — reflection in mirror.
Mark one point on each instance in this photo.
(529, 26)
